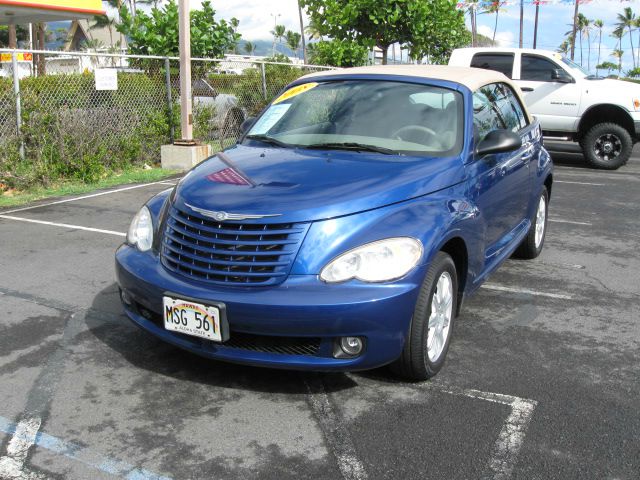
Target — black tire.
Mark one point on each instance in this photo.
(414, 362)
(528, 249)
(607, 146)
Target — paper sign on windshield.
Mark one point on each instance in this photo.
(269, 119)
(292, 92)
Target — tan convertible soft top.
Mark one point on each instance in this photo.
(472, 78)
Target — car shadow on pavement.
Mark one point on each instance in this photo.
(107, 322)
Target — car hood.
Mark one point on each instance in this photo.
(300, 185)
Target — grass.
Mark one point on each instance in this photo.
(13, 198)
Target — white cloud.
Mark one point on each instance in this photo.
(503, 39)
(257, 16)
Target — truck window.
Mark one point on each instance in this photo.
(537, 69)
(500, 62)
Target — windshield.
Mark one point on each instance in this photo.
(386, 117)
(575, 66)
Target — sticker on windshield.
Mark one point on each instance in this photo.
(269, 119)
(292, 92)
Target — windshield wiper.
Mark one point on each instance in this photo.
(267, 139)
(352, 146)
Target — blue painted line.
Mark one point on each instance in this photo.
(84, 455)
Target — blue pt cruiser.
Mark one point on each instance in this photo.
(347, 225)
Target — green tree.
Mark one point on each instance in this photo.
(627, 20)
(608, 66)
(156, 33)
(293, 41)
(634, 73)
(338, 53)
(424, 27)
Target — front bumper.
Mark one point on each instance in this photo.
(302, 307)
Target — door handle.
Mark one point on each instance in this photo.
(527, 89)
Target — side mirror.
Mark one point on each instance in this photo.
(499, 141)
(247, 124)
(560, 76)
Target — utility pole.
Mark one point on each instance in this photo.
(521, 21)
(304, 46)
(535, 26)
(184, 37)
(575, 27)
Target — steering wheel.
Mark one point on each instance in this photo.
(413, 128)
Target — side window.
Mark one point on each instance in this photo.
(509, 107)
(537, 69)
(485, 113)
(500, 62)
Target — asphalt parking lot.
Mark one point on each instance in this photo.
(541, 382)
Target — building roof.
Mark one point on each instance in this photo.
(472, 78)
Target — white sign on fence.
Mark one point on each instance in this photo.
(106, 78)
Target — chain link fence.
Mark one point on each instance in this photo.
(71, 128)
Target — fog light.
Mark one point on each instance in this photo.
(352, 346)
(126, 298)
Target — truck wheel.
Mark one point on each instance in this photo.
(607, 146)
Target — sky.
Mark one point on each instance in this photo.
(257, 20)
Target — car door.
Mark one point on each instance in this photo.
(550, 92)
(501, 182)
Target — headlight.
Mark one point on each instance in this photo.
(379, 261)
(141, 230)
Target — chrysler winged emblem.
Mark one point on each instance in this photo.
(223, 216)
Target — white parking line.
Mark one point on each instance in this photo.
(511, 437)
(75, 199)
(167, 183)
(580, 183)
(572, 222)
(63, 225)
(336, 435)
(501, 288)
(24, 436)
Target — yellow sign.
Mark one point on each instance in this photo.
(78, 6)
(292, 92)
(21, 57)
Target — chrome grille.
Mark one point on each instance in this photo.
(229, 253)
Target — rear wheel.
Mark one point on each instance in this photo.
(430, 333)
(607, 146)
(532, 245)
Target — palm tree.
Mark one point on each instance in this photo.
(581, 27)
(637, 25)
(249, 47)
(586, 30)
(313, 31)
(293, 41)
(565, 47)
(627, 19)
(618, 54)
(102, 21)
(618, 33)
(278, 33)
(494, 7)
(472, 8)
(598, 24)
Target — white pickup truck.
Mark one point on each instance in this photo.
(603, 115)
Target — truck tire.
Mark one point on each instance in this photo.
(607, 146)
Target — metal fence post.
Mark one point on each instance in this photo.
(264, 81)
(167, 74)
(16, 91)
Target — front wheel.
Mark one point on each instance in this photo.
(430, 333)
(607, 146)
(532, 245)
